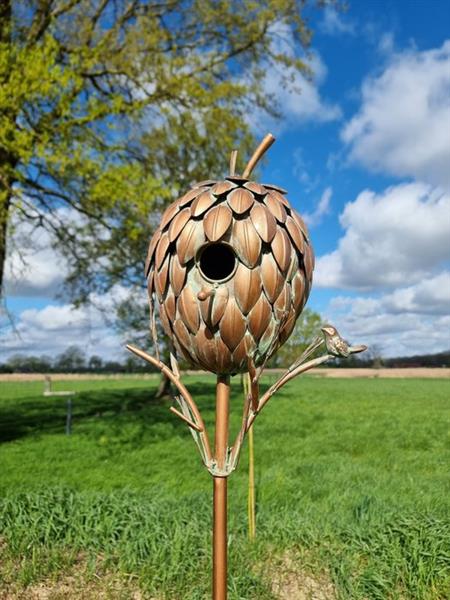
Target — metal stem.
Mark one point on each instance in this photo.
(220, 490)
(257, 154)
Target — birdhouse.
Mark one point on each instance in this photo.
(230, 269)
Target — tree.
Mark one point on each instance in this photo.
(72, 360)
(305, 330)
(108, 108)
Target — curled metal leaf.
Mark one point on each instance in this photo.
(151, 250)
(177, 275)
(246, 242)
(298, 291)
(264, 222)
(164, 320)
(202, 203)
(178, 223)
(276, 207)
(301, 223)
(271, 186)
(247, 287)
(205, 183)
(232, 325)
(222, 187)
(161, 279)
(282, 249)
(183, 336)
(170, 305)
(217, 222)
(280, 197)
(161, 250)
(169, 214)
(190, 240)
(240, 200)
(296, 234)
(188, 309)
(189, 196)
(308, 260)
(271, 276)
(259, 317)
(256, 188)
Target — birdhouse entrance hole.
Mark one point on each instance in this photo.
(217, 262)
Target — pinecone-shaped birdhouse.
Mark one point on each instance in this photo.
(230, 268)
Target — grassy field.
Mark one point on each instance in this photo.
(352, 493)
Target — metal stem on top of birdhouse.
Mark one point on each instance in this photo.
(230, 269)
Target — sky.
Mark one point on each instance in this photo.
(364, 151)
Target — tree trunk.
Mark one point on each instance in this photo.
(164, 388)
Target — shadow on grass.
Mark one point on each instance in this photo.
(42, 414)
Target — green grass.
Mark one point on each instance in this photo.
(352, 482)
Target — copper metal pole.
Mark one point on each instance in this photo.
(220, 490)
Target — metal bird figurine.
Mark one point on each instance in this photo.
(336, 345)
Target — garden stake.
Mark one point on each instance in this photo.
(230, 269)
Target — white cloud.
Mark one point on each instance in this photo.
(334, 24)
(394, 238)
(410, 320)
(403, 125)
(51, 329)
(323, 208)
(296, 97)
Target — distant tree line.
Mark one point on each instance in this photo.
(74, 360)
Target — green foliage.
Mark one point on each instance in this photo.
(110, 109)
(352, 485)
(305, 331)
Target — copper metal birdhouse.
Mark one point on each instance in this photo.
(230, 266)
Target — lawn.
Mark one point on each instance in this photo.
(352, 493)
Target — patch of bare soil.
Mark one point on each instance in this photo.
(289, 581)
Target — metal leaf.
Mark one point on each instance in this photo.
(217, 222)
(271, 186)
(283, 302)
(247, 287)
(236, 179)
(161, 279)
(190, 240)
(188, 309)
(224, 359)
(246, 242)
(264, 222)
(259, 317)
(206, 348)
(240, 354)
(205, 183)
(202, 203)
(293, 267)
(222, 187)
(169, 214)
(189, 196)
(272, 279)
(288, 327)
(256, 188)
(164, 320)
(177, 275)
(151, 250)
(308, 260)
(301, 223)
(219, 304)
(275, 207)
(170, 305)
(240, 200)
(282, 249)
(178, 223)
(232, 325)
(182, 335)
(280, 197)
(296, 234)
(298, 291)
(161, 250)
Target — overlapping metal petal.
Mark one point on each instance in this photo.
(223, 326)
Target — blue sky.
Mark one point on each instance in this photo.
(364, 151)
